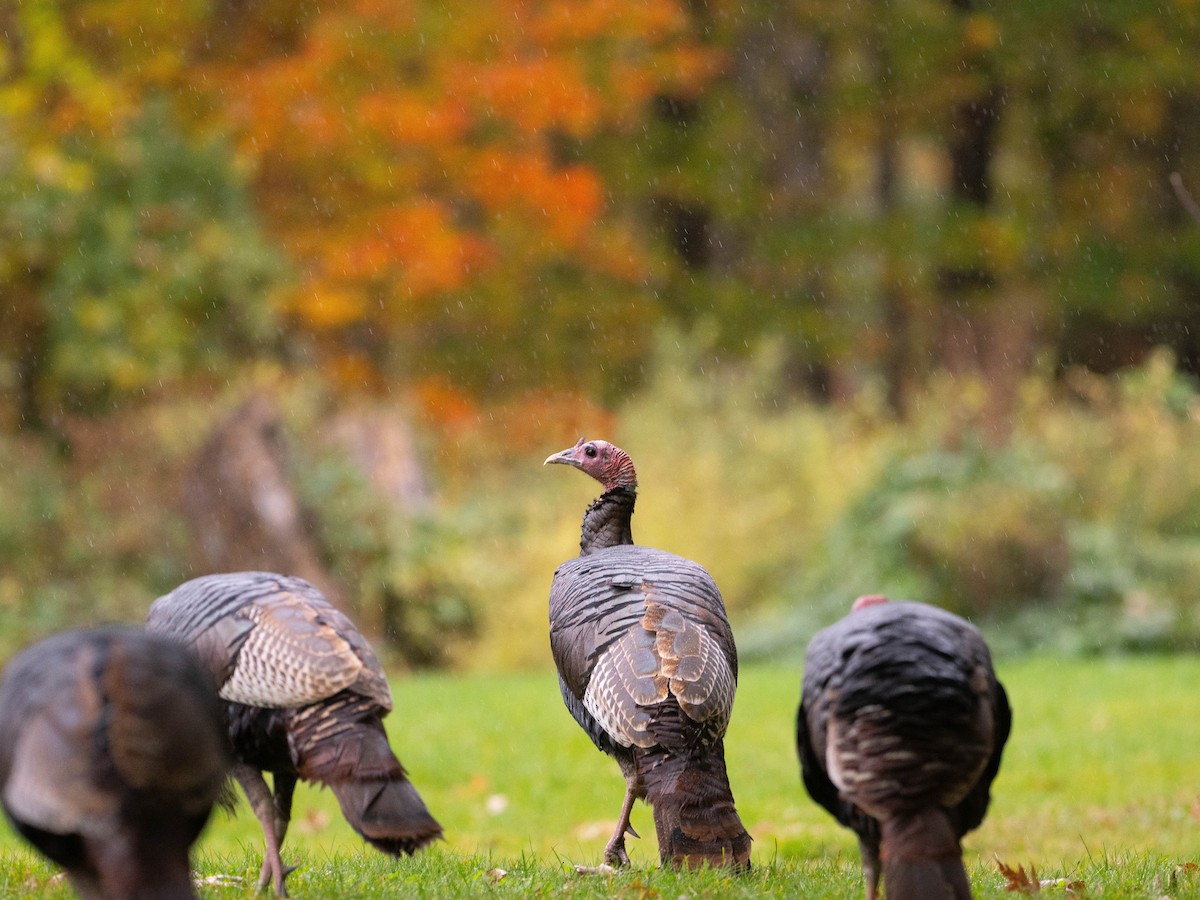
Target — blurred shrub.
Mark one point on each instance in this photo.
(1082, 534)
(81, 542)
(982, 530)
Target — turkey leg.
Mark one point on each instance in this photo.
(614, 851)
(261, 801)
(285, 785)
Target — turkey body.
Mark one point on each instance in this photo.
(112, 754)
(305, 697)
(648, 668)
(900, 732)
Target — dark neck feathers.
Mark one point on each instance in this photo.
(606, 522)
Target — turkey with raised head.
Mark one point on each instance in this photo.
(647, 666)
(112, 754)
(901, 726)
(305, 698)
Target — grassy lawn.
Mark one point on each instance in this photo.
(1100, 783)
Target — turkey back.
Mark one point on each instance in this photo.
(901, 728)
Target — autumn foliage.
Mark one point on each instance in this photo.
(410, 155)
(425, 167)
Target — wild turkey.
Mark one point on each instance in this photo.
(647, 666)
(112, 753)
(305, 698)
(901, 727)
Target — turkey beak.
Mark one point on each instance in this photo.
(566, 457)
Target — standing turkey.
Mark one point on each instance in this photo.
(901, 727)
(112, 753)
(305, 698)
(647, 666)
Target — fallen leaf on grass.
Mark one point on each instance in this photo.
(218, 879)
(497, 874)
(602, 869)
(1185, 870)
(1016, 880)
(1021, 882)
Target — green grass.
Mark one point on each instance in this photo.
(1100, 783)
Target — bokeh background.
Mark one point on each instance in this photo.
(895, 296)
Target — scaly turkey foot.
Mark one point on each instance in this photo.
(614, 851)
(267, 873)
(266, 876)
(615, 855)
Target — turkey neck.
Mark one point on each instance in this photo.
(606, 522)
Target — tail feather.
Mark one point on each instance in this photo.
(390, 815)
(922, 858)
(371, 786)
(694, 813)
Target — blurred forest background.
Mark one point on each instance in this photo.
(897, 295)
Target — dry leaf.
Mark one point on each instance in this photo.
(1186, 870)
(1017, 880)
(496, 874)
(602, 869)
(1021, 882)
(218, 879)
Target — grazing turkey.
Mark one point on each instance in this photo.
(305, 698)
(112, 753)
(648, 668)
(901, 727)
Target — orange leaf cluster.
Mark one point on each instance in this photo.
(565, 201)
(326, 306)
(449, 407)
(407, 117)
(535, 94)
(579, 21)
(520, 424)
(524, 422)
(415, 244)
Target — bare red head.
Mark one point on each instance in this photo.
(868, 600)
(609, 465)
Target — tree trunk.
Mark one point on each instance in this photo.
(981, 335)
(242, 506)
(897, 356)
(782, 74)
